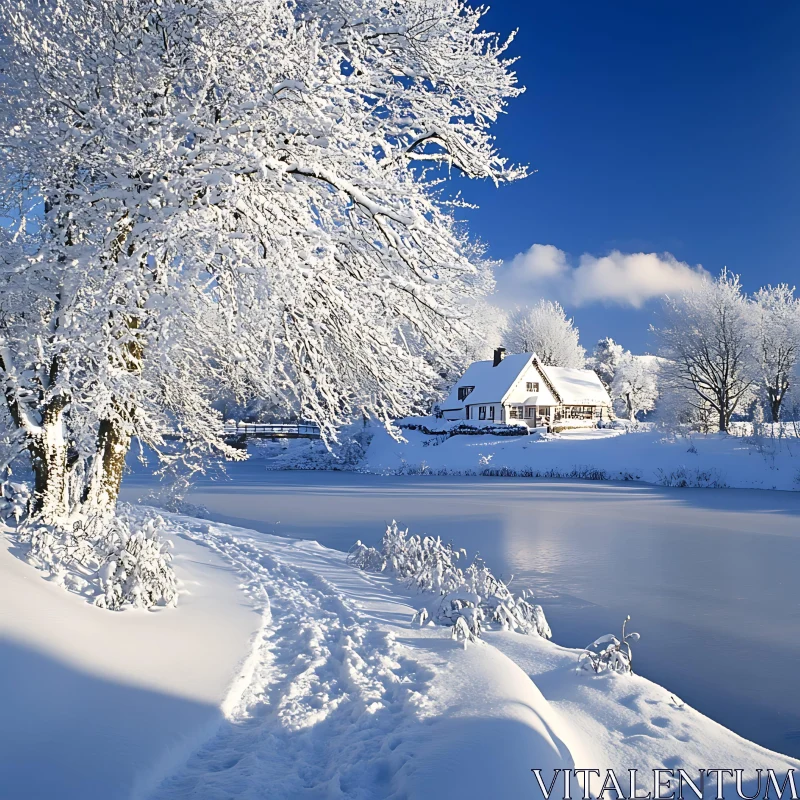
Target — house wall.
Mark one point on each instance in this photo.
(474, 413)
(519, 391)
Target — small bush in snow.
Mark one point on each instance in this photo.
(442, 428)
(462, 632)
(121, 560)
(577, 472)
(420, 616)
(684, 477)
(367, 558)
(472, 595)
(137, 568)
(14, 498)
(610, 654)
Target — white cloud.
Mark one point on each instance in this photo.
(628, 279)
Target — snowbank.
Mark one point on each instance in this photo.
(100, 704)
(715, 460)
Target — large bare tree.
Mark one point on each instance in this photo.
(706, 337)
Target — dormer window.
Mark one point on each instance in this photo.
(463, 391)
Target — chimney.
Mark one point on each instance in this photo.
(499, 355)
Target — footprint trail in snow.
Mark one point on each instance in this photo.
(318, 696)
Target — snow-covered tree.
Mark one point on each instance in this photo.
(635, 384)
(777, 332)
(546, 330)
(706, 337)
(484, 331)
(241, 195)
(605, 359)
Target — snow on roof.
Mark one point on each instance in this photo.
(491, 383)
(578, 386)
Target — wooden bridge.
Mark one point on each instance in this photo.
(239, 432)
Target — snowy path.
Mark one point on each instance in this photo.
(345, 699)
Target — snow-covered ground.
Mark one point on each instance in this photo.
(648, 455)
(100, 704)
(335, 694)
(651, 456)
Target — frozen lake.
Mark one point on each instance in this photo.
(709, 577)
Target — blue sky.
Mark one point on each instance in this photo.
(655, 127)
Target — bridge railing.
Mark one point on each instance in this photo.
(305, 429)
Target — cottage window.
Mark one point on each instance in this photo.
(531, 386)
(530, 412)
(463, 391)
(491, 412)
(515, 412)
(481, 412)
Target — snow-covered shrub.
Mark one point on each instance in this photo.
(137, 568)
(14, 499)
(367, 558)
(171, 493)
(420, 616)
(473, 595)
(119, 560)
(461, 632)
(47, 545)
(588, 473)
(345, 454)
(583, 472)
(443, 428)
(684, 477)
(610, 654)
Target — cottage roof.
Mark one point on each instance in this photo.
(578, 386)
(492, 384)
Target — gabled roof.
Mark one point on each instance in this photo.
(491, 383)
(579, 386)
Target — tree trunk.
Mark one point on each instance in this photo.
(113, 443)
(723, 421)
(49, 460)
(775, 408)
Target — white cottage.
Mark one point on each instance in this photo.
(519, 388)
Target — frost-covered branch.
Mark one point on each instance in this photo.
(223, 198)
